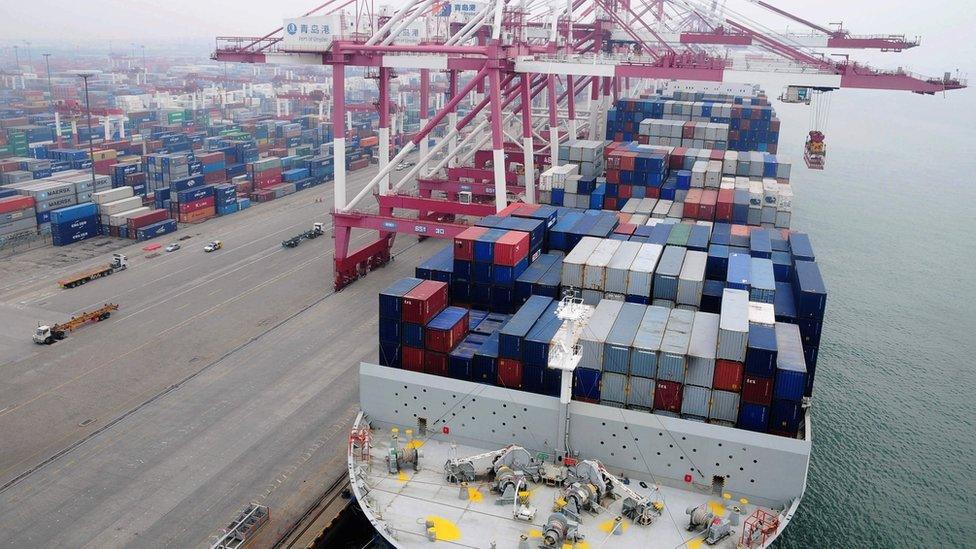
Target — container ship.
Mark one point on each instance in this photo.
(629, 364)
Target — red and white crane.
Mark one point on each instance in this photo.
(524, 67)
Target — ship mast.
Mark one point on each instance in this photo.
(564, 355)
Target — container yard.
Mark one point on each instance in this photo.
(574, 292)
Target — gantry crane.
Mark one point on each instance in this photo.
(519, 64)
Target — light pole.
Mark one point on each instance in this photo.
(30, 62)
(85, 75)
(50, 88)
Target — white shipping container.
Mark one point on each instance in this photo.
(112, 195)
(595, 269)
(119, 219)
(641, 274)
(572, 272)
(619, 267)
(691, 280)
(733, 331)
(118, 206)
(595, 333)
(762, 313)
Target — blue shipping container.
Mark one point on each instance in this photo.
(511, 335)
(71, 213)
(391, 299)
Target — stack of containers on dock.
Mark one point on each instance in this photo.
(264, 174)
(18, 219)
(225, 199)
(193, 203)
(74, 224)
(213, 167)
(115, 207)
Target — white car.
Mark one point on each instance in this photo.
(172, 247)
(213, 245)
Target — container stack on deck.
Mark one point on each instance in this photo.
(700, 302)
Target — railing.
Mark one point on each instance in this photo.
(247, 44)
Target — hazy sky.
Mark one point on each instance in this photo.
(945, 25)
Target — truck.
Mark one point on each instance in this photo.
(119, 263)
(46, 335)
(317, 230)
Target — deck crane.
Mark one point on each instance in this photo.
(638, 508)
(517, 66)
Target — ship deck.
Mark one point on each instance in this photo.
(402, 505)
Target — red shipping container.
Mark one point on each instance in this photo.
(435, 363)
(625, 228)
(134, 179)
(652, 192)
(609, 203)
(643, 139)
(148, 218)
(706, 210)
(667, 396)
(464, 243)
(211, 158)
(218, 176)
(677, 159)
(510, 248)
(625, 191)
(444, 341)
(744, 124)
(717, 154)
(757, 390)
(627, 160)
(190, 207)
(509, 373)
(740, 230)
(771, 148)
(692, 203)
(728, 375)
(688, 130)
(613, 176)
(413, 359)
(14, 203)
(723, 205)
(424, 302)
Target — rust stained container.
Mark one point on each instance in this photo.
(723, 205)
(413, 359)
(667, 396)
(510, 248)
(424, 302)
(692, 203)
(509, 373)
(197, 216)
(728, 375)
(435, 363)
(757, 390)
(464, 243)
(709, 199)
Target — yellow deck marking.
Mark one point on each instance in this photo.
(401, 476)
(415, 443)
(474, 495)
(716, 508)
(444, 530)
(607, 526)
(535, 533)
(694, 543)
